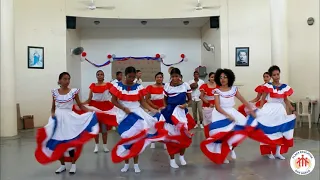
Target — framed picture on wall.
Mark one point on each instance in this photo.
(35, 57)
(242, 56)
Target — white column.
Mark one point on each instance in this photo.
(279, 37)
(8, 112)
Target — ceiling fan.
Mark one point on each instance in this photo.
(92, 6)
(200, 7)
(208, 47)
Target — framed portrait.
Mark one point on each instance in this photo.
(242, 56)
(35, 57)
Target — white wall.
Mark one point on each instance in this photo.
(73, 62)
(212, 60)
(304, 48)
(39, 23)
(98, 43)
(246, 23)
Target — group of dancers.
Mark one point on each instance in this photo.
(158, 113)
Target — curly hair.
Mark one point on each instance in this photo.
(273, 68)
(228, 72)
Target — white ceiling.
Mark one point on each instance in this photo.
(89, 22)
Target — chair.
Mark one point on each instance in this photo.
(305, 107)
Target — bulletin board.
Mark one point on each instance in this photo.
(148, 68)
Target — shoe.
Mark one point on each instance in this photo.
(96, 149)
(153, 145)
(279, 156)
(201, 126)
(136, 168)
(233, 154)
(182, 161)
(61, 169)
(173, 164)
(270, 156)
(125, 168)
(73, 169)
(105, 149)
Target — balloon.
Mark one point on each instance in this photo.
(182, 56)
(83, 54)
(109, 56)
(158, 56)
(162, 56)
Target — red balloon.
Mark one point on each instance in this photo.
(157, 55)
(83, 54)
(109, 56)
(182, 56)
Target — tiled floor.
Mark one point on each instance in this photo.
(18, 162)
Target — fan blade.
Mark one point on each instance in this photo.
(83, 9)
(106, 7)
(211, 7)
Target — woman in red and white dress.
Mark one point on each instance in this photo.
(272, 117)
(228, 127)
(99, 97)
(155, 96)
(137, 128)
(257, 99)
(207, 97)
(66, 132)
(175, 118)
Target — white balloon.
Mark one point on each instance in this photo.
(162, 56)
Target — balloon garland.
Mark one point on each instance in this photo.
(113, 57)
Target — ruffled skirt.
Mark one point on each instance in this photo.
(66, 131)
(137, 130)
(224, 135)
(273, 121)
(177, 122)
(106, 112)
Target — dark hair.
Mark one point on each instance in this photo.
(62, 74)
(266, 73)
(129, 70)
(195, 72)
(175, 71)
(138, 71)
(273, 68)
(228, 72)
(211, 73)
(119, 72)
(99, 71)
(159, 73)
